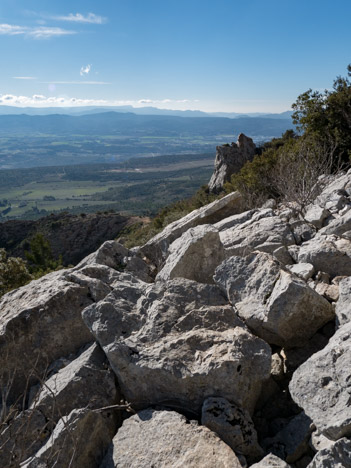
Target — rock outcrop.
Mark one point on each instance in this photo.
(229, 160)
(161, 355)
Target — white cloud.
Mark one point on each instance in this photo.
(39, 32)
(77, 82)
(12, 30)
(44, 101)
(162, 101)
(85, 70)
(24, 78)
(90, 18)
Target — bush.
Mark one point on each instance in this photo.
(13, 273)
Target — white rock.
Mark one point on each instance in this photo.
(343, 306)
(321, 386)
(271, 461)
(337, 456)
(178, 341)
(302, 270)
(195, 255)
(156, 249)
(327, 253)
(316, 215)
(277, 306)
(166, 439)
(262, 232)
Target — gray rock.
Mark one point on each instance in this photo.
(195, 255)
(316, 215)
(302, 231)
(338, 226)
(39, 323)
(333, 184)
(84, 383)
(235, 219)
(114, 255)
(79, 439)
(233, 425)
(277, 306)
(337, 456)
(156, 249)
(166, 439)
(178, 342)
(302, 270)
(320, 442)
(111, 254)
(283, 256)
(327, 253)
(321, 386)
(291, 443)
(271, 461)
(262, 232)
(294, 252)
(229, 160)
(343, 306)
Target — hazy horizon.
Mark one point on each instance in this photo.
(228, 56)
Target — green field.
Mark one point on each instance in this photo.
(135, 187)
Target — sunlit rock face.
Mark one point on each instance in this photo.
(229, 160)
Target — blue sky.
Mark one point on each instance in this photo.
(223, 55)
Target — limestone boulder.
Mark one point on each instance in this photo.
(114, 255)
(233, 425)
(79, 439)
(39, 323)
(316, 215)
(321, 386)
(84, 383)
(304, 271)
(337, 456)
(329, 254)
(276, 305)
(156, 249)
(264, 231)
(179, 342)
(195, 255)
(338, 226)
(343, 305)
(229, 160)
(167, 439)
(271, 461)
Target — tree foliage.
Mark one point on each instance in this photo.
(289, 168)
(40, 258)
(327, 116)
(13, 272)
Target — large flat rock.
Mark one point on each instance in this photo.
(179, 342)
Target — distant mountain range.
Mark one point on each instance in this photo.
(133, 125)
(11, 110)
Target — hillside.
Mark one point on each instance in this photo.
(71, 236)
(225, 340)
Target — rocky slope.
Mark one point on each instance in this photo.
(225, 341)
